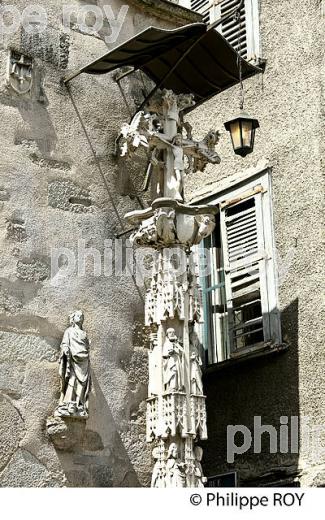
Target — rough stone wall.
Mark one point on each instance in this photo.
(289, 104)
(52, 195)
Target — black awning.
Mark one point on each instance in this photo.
(209, 66)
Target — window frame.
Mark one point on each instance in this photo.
(272, 336)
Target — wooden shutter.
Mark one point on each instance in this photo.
(215, 328)
(235, 31)
(245, 271)
(202, 7)
(243, 33)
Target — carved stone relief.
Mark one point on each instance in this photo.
(20, 72)
(151, 131)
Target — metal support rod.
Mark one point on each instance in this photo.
(120, 75)
(119, 235)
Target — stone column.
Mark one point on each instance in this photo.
(176, 413)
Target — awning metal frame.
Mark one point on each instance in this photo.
(173, 68)
(211, 27)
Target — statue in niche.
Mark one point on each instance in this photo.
(74, 370)
(200, 479)
(196, 374)
(173, 362)
(158, 479)
(175, 469)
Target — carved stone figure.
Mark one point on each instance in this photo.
(167, 102)
(205, 152)
(158, 229)
(199, 154)
(200, 479)
(74, 370)
(145, 131)
(173, 362)
(207, 224)
(175, 469)
(146, 234)
(196, 374)
(166, 229)
(159, 471)
(179, 165)
(134, 134)
(175, 182)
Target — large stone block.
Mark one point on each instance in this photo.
(66, 434)
(25, 348)
(68, 196)
(50, 46)
(33, 270)
(25, 470)
(11, 430)
(11, 378)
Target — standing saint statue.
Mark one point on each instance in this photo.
(173, 362)
(196, 374)
(200, 479)
(175, 468)
(74, 370)
(159, 471)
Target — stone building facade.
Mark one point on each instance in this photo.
(61, 186)
(56, 193)
(289, 104)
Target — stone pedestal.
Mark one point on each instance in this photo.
(66, 433)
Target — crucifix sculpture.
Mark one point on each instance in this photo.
(176, 413)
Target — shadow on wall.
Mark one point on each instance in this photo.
(265, 388)
(98, 458)
(37, 126)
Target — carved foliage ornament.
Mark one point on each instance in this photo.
(166, 227)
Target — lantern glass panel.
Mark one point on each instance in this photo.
(236, 135)
(247, 133)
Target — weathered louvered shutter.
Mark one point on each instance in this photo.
(234, 30)
(202, 7)
(242, 34)
(245, 260)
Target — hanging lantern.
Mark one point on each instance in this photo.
(242, 130)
